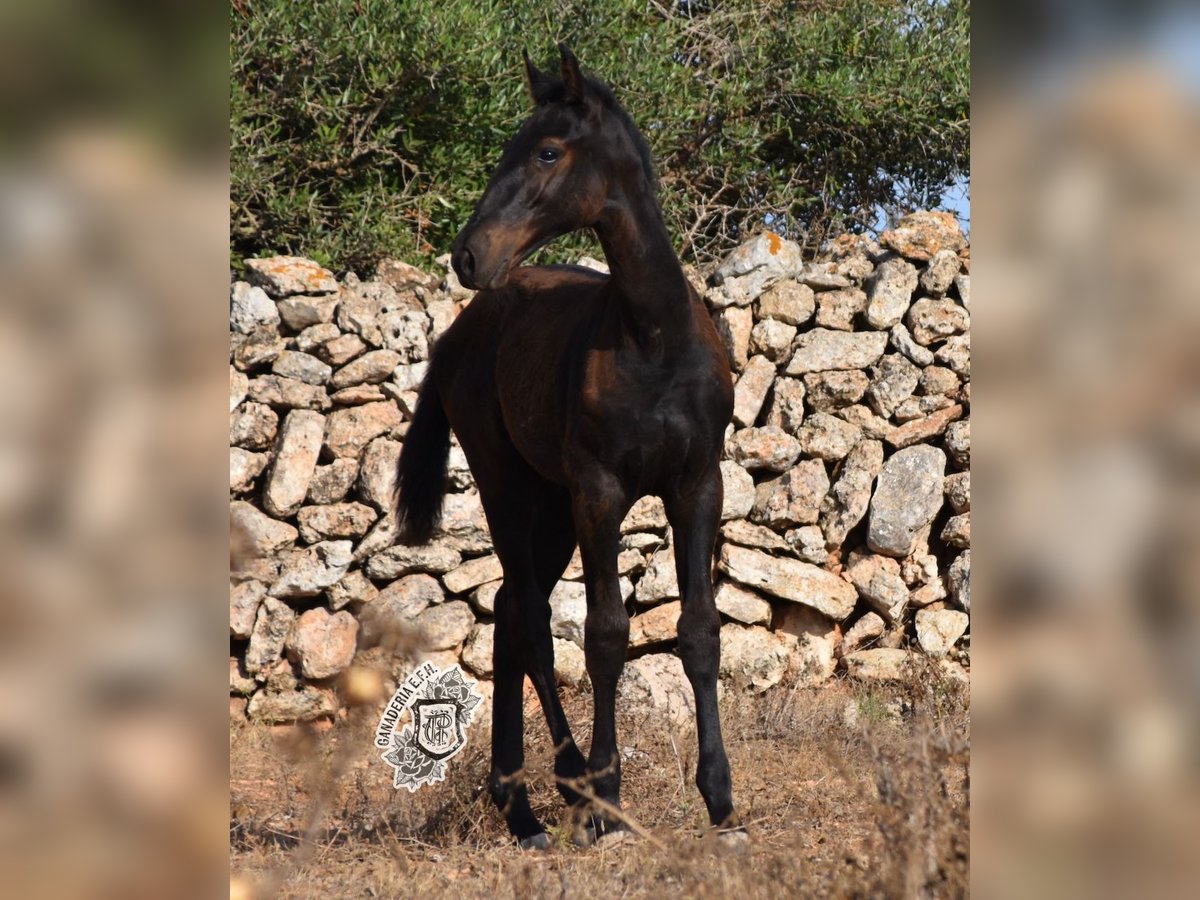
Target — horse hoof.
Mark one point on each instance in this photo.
(539, 841)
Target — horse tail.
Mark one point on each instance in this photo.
(422, 481)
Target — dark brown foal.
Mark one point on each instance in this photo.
(573, 394)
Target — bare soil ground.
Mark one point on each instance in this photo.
(847, 791)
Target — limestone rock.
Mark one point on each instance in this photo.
(794, 498)
(337, 520)
(932, 320)
(314, 337)
(759, 262)
(868, 628)
(299, 313)
(659, 582)
(244, 467)
(827, 391)
(958, 442)
(772, 339)
(378, 473)
(925, 428)
(817, 640)
(370, 368)
(647, 514)
(907, 497)
(250, 307)
(734, 326)
(244, 600)
(742, 605)
(753, 658)
(464, 523)
(300, 705)
(956, 354)
(745, 534)
(957, 531)
(331, 483)
(266, 535)
(323, 643)
(893, 379)
(394, 562)
(570, 665)
(238, 385)
(405, 333)
(477, 652)
(850, 494)
(409, 376)
(890, 292)
(789, 579)
(473, 573)
(837, 309)
(939, 380)
(823, 277)
(295, 461)
(808, 544)
(938, 630)
(483, 598)
(920, 235)
(283, 276)
(827, 437)
(958, 491)
(350, 430)
(962, 284)
(271, 628)
(822, 349)
(656, 683)
(301, 366)
(738, 497)
(354, 588)
(958, 578)
(751, 390)
(568, 610)
(276, 390)
(902, 340)
(879, 664)
(253, 426)
(307, 572)
(393, 611)
(655, 626)
(939, 274)
(785, 405)
(342, 349)
(446, 626)
(768, 448)
(257, 348)
(788, 302)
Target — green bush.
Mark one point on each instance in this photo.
(363, 128)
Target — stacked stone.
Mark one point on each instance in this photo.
(846, 524)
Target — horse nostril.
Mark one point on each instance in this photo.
(464, 265)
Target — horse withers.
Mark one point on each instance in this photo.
(574, 394)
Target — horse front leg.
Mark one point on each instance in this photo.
(599, 508)
(694, 516)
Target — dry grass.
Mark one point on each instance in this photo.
(836, 807)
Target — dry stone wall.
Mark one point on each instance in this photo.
(845, 536)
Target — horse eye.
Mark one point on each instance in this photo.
(548, 155)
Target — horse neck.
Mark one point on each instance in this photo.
(653, 292)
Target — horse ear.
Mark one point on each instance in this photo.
(573, 82)
(536, 82)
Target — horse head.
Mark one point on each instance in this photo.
(577, 154)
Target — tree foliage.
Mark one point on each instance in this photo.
(368, 128)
